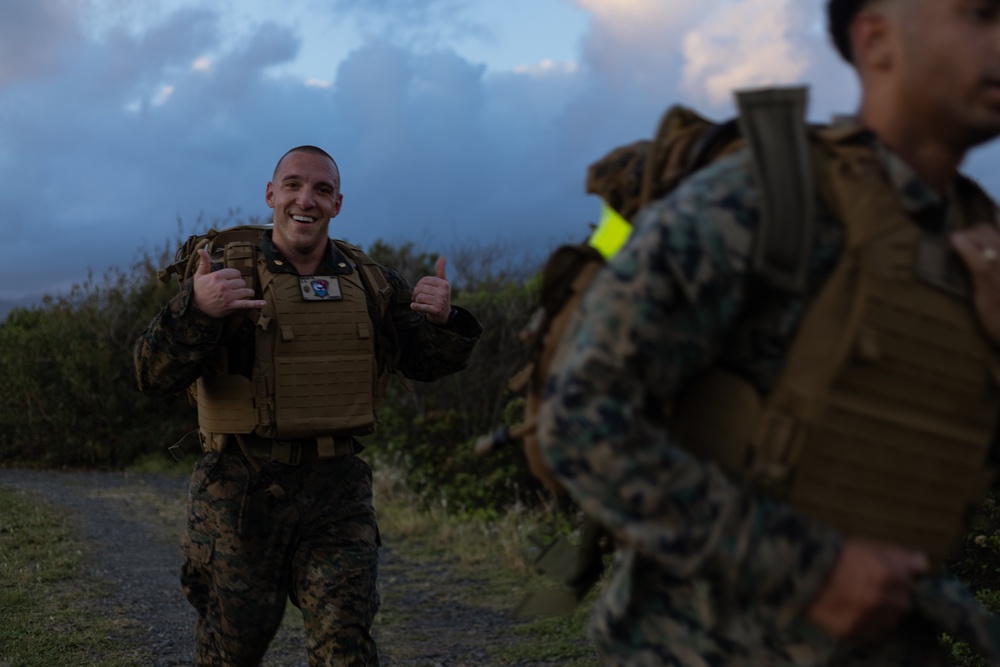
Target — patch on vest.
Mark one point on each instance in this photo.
(320, 288)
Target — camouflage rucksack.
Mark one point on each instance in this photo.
(772, 124)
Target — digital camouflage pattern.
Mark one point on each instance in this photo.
(246, 551)
(709, 571)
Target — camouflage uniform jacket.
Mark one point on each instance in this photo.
(170, 354)
(709, 571)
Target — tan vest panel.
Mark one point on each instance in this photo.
(315, 370)
(882, 421)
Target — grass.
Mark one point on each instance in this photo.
(492, 552)
(48, 614)
(162, 463)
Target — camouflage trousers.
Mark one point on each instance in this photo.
(247, 551)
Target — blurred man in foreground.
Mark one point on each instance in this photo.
(765, 516)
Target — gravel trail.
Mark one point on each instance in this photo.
(132, 523)
(128, 549)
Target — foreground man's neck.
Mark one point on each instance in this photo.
(934, 159)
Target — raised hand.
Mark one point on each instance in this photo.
(432, 295)
(223, 292)
(868, 590)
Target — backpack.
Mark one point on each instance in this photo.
(771, 123)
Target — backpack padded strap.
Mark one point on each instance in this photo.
(773, 123)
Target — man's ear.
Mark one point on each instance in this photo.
(872, 40)
(269, 195)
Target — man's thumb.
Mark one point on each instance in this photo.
(439, 267)
(205, 265)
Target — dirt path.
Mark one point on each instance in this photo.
(133, 522)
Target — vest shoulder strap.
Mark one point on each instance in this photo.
(186, 256)
(382, 293)
(379, 288)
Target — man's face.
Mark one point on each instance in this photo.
(949, 66)
(305, 195)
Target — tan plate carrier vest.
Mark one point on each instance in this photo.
(882, 421)
(315, 370)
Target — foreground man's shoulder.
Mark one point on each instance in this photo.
(700, 233)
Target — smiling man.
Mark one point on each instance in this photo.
(285, 339)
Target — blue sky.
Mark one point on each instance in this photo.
(454, 121)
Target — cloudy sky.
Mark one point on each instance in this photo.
(454, 121)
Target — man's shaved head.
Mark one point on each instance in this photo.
(315, 150)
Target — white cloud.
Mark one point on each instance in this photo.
(163, 96)
(547, 67)
(634, 42)
(745, 43)
(202, 64)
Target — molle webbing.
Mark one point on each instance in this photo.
(882, 421)
(315, 371)
(323, 362)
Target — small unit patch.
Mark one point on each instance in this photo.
(320, 288)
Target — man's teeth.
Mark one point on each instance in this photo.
(302, 218)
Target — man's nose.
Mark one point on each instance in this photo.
(304, 198)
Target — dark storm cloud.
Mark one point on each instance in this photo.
(101, 154)
(425, 155)
(104, 146)
(106, 151)
(35, 37)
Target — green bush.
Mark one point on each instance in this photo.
(432, 429)
(69, 396)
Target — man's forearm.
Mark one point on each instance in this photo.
(170, 354)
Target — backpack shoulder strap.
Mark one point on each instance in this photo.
(213, 239)
(382, 293)
(773, 124)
